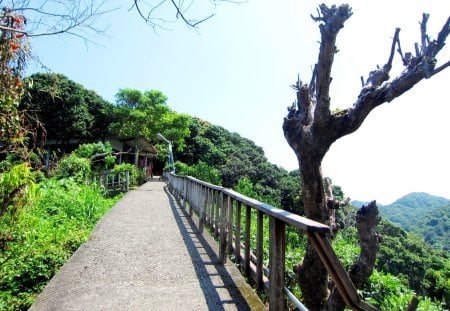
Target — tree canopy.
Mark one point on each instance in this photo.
(66, 109)
(145, 115)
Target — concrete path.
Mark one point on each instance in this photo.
(147, 254)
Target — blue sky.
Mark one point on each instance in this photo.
(237, 68)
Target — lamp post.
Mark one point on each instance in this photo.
(171, 162)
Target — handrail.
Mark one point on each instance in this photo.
(215, 207)
(114, 179)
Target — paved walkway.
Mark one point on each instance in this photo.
(146, 254)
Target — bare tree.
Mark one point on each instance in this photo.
(311, 128)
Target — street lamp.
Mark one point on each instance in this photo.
(171, 162)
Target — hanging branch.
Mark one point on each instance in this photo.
(52, 17)
(181, 9)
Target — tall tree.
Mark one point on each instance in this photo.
(146, 114)
(311, 128)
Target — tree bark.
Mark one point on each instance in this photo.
(312, 275)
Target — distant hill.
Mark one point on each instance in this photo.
(422, 213)
(420, 200)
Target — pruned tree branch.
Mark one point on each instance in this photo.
(333, 19)
(367, 218)
(377, 90)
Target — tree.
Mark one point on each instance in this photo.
(311, 128)
(66, 109)
(147, 114)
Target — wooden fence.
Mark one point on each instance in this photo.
(221, 210)
(114, 180)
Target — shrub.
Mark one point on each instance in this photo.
(99, 153)
(40, 237)
(74, 166)
(14, 186)
(136, 176)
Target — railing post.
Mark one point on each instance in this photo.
(210, 206)
(259, 251)
(219, 204)
(237, 241)
(192, 198)
(186, 191)
(230, 203)
(202, 209)
(248, 222)
(127, 181)
(223, 228)
(277, 253)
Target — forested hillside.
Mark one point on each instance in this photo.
(423, 214)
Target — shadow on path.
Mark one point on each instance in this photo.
(217, 284)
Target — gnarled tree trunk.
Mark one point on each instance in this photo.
(311, 128)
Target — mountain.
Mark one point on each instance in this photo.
(421, 213)
(420, 200)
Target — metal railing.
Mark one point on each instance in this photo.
(221, 209)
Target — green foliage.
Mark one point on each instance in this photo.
(258, 192)
(99, 153)
(291, 194)
(387, 292)
(423, 214)
(200, 170)
(85, 159)
(75, 167)
(136, 176)
(14, 187)
(145, 115)
(245, 187)
(66, 108)
(89, 150)
(425, 270)
(236, 157)
(38, 239)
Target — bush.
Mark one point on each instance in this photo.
(39, 238)
(14, 186)
(136, 176)
(74, 166)
(99, 153)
